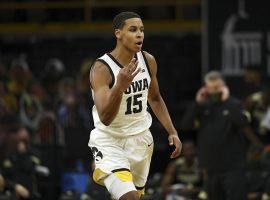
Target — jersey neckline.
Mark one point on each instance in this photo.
(116, 61)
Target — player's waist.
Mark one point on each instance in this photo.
(125, 130)
(121, 135)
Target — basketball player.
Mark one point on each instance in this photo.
(122, 83)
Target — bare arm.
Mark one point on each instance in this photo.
(107, 100)
(160, 109)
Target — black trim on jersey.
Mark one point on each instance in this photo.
(147, 64)
(111, 72)
(116, 61)
(139, 188)
(120, 170)
(113, 58)
(136, 56)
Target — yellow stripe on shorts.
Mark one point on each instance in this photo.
(98, 176)
(125, 176)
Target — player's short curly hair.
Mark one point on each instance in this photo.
(119, 20)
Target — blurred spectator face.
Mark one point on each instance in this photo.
(252, 76)
(70, 100)
(214, 86)
(189, 151)
(22, 147)
(38, 91)
(20, 72)
(23, 134)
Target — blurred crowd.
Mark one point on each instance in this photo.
(44, 123)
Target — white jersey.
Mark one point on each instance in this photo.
(133, 116)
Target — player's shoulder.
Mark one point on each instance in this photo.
(99, 66)
(148, 56)
(151, 62)
(100, 72)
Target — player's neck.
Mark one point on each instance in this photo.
(122, 55)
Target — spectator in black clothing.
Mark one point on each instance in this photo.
(20, 169)
(222, 126)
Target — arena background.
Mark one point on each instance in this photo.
(47, 47)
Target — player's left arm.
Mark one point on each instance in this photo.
(159, 107)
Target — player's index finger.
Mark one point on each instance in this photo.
(134, 66)
(136, 72)
(131, 63)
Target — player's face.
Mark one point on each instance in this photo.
(132, 34)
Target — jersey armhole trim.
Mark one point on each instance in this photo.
(111, 72)
(90, 71)
(146, 63)
(120, 169)
(115, 61)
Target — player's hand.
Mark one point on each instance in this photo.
(175, 141)
(201, 95)
(127, 74)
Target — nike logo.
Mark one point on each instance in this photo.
(150, 144)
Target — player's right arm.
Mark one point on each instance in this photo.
(107, 100)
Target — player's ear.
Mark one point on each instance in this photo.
(117, 33)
